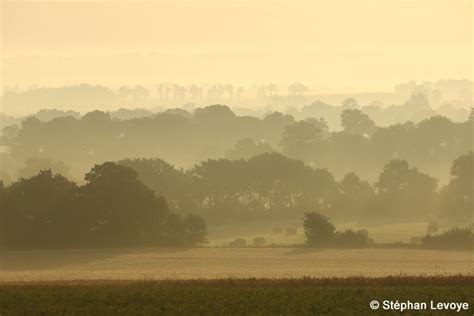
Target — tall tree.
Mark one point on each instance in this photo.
(457, 204)
(356, 122)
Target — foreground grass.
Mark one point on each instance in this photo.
(307, 296)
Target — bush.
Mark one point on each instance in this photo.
(259, 241)
(351, 239)
(238, 243)
(455, 238)
(320, 232)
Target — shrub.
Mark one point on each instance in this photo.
(351, 239)
(455, 238)
(259, 241)
(318, 230)
(238, 242)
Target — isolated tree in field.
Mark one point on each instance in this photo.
(356, 122)
(318, 230)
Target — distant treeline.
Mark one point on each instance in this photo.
(450, 97)
(184, 138)
(113, 209)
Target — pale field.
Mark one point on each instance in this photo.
(227, 263)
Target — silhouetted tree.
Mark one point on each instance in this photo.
(356, 197)
(164, 179)
(404, 193)
(349, 103)
(457, 202)
(318, 230)
(297, 89)
(417, 101)
(36, 211)
(299, 138)
(356, 122)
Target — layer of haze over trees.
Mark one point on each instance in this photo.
(342, 138)
(153, 129)
(450, 98)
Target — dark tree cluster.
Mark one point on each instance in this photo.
(112, 209)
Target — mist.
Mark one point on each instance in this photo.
(235, 157)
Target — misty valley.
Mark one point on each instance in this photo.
(204, 157)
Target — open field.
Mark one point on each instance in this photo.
(212, 263)
(350, 296)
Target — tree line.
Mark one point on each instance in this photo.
(112, 209)
(273, 186)
(148, 202)
(185, 138)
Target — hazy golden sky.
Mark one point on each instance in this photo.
(331, 45)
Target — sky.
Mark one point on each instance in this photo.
(333, 46)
